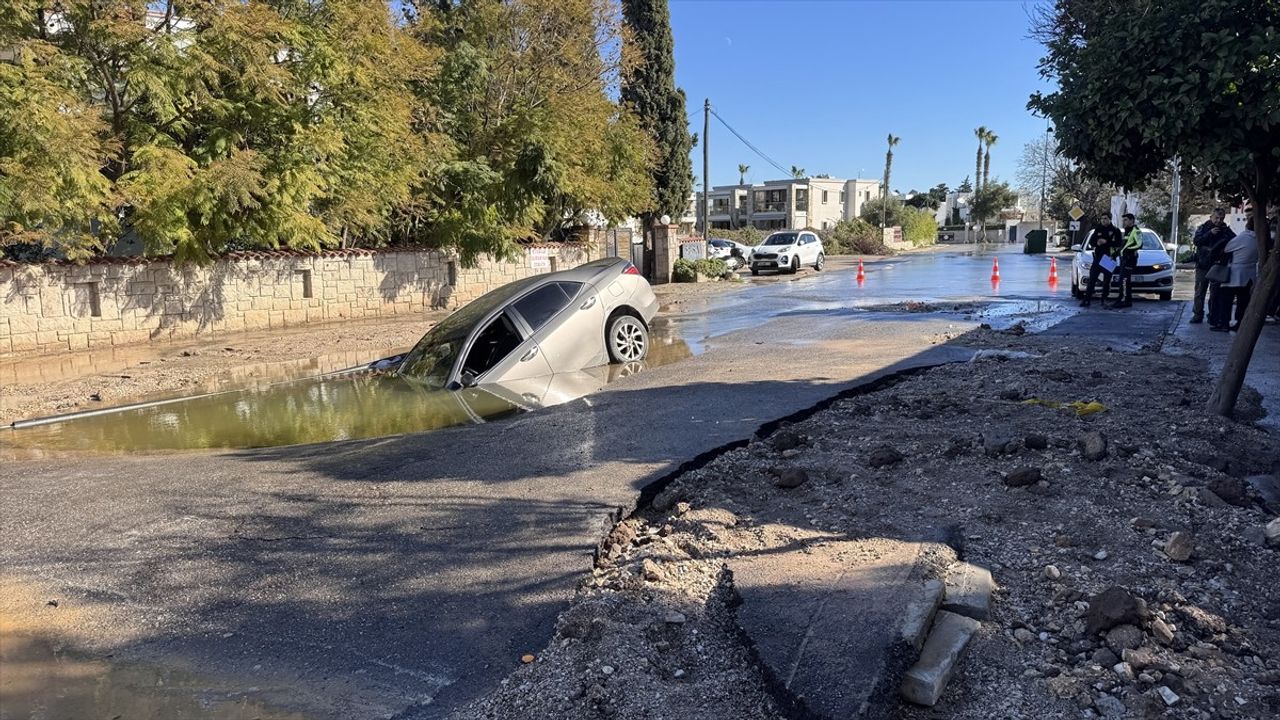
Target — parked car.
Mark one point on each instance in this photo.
(787, 251)
(1153, 275)
(724, 249)
(554, 323)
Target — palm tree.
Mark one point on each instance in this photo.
(797, 172)
(742, 173)
(979, 132)
(888, 168)
(990, 140)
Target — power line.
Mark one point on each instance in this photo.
(747, 142)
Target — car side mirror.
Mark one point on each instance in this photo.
(1077, 248)
(468, 379)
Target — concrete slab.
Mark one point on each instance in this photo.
(926, 680)
(968, 591)
(829, 625)
(917, 618)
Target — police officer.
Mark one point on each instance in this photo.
(1106, 243)
(1130, 244)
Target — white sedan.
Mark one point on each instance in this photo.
(786, 251)
(1153, 275)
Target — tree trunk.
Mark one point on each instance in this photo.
(1223, 399)
(977, 170)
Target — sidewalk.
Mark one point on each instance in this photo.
(1264, 368)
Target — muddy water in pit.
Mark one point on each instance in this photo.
(345, 406)
(42, 678)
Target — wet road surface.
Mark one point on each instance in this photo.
(404, 576)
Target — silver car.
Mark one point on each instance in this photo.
(555, 323)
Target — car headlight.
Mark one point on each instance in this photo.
(1157, 267)
(782, 258)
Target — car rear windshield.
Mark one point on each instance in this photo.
(781, 239)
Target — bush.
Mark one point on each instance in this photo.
(854, 237)
(747, 235)
(684, 271)
(711, 267)
(919, 227)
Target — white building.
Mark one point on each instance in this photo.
(817, 203)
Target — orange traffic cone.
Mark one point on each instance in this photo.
(1053, 271)
(995, 270)
(862, 275)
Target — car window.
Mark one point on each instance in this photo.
(1151, 241)
(781, 239)
(542, 304)
(496, 341)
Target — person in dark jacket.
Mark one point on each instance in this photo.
(1210, 238)
(1106, 243)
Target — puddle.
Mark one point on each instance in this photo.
(44, 679)
(349, 406)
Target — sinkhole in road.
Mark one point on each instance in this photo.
(351, 405)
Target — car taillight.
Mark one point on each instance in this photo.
(630, 269)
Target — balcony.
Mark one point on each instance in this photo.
(771, 207)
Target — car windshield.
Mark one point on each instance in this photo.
(720, 243)
(431, 360)
(781, 239)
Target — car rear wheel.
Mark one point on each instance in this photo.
(628, 339)
(1075, 287)
(795, 265)
(821, 259)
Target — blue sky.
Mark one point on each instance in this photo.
(819, 84)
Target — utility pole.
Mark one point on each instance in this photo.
(706, 175)
(1044, 173)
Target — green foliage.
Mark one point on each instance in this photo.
(919, 227)
(748, 235)
(711, 267)
(854, 237)
(891, 207)
(279, 123)
(649, 90)
(965, 186)
(684, 271)
(990, 200)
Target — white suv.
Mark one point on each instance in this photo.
(787, 250)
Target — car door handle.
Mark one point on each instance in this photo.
(590, 303)
(533, 352)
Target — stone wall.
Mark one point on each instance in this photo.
(57, 307)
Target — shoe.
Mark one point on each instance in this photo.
(1218, 328)
(1197, 319)
(1085, 303)
(1234, 327)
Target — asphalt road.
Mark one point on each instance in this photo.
(402, 577)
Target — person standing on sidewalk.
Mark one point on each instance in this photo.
(1210, 236)
(1130, 244)
(1237, 289)
(1106, 243)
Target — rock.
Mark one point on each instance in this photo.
(1161, 631)
(678, 674)
(1022, 477)
(996, 443)
(96, 397)
(968, 591)
(793, 452)
(918, 614)
(1114, 606)
(883, 456)
(664, 500)
(1169, 697)
(681, 508)
(526, 659)
(1062, 540)
(1036, 442)
(1140, 658)
(1101, 555)
(1230, 489)
(924, 682)
(1092, 445)
(791, 477)
(1204, 623)
(1124, 637)
(650, 570)
(1110, 706)
(1104, 657)
(1179, 546)
(1255, 535)
(1024, 636)
(674, 618)
(786, 440)
(1124, 670)
(1272, 532)
(606, 669)
(1052, 572)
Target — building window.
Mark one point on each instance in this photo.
(824, 200)
(720, 205)
(841, 197)
(742, 202)
(802, 200)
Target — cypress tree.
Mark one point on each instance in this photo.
(649, 90)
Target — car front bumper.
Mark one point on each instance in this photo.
(1156, 282)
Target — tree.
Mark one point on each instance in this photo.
(1140, 82)
(797, 172)
(965, 186)
(649, 90)
(979, 132)
(888, 161)
(990, 200)
(886, 210)
(742, 173)
(989, 141)
(923, 201)
(919, 227)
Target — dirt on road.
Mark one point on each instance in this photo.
(1063, 482)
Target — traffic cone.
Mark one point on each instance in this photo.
(1053, 271)
(862, 275)
(995, 270)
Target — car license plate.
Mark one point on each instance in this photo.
(765, 264)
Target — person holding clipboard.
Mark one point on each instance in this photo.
(1106, 248)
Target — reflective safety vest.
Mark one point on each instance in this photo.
(1132, 241)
